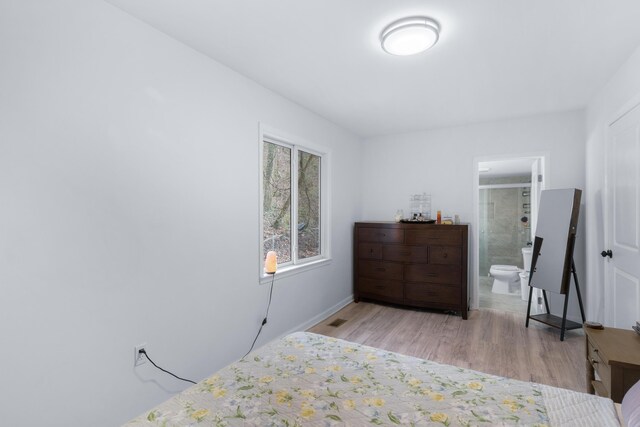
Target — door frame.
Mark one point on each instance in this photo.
(545, 158)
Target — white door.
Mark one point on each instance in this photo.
(622, 270)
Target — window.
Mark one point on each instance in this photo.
(293, 202)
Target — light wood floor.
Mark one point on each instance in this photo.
(489, 341)
(499, 301)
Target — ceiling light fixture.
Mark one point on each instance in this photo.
(409, 36)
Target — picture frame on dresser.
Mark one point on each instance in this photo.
(414, 265)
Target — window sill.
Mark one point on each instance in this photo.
(292, 270)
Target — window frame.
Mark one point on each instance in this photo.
(296, 144)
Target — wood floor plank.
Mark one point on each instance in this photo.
(490, 341)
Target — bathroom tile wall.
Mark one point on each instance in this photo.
(503, 233)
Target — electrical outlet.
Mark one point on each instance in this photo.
(139, 358)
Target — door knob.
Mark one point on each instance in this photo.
(607, 253)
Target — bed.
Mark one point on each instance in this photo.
(306, 379)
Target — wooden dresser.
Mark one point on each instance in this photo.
(614, 356)
(420, 265)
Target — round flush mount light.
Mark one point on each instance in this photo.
(409, 36)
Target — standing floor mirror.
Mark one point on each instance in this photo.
(552, 265)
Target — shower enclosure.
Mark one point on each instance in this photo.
(505, 222)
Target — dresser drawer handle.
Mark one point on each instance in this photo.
(380, 286)
(431, 274)
(381, 269)
(444, 255)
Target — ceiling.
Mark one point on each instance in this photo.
(495, 59)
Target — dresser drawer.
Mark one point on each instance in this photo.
(433, 273)
(592, 352)
(382, 235)
(380, 270)
(604, 373)
(428, 293)
(377, 288)
(405, 253)
(445, 255)
(602, 370)
(370, 250)
(439, 235)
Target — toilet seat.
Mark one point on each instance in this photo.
(499, 267)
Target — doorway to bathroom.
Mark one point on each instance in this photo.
(508, 191)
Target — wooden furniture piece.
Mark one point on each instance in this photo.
(420, 265)
(614, 356)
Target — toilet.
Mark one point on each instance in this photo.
(506, 279)
(527, 254)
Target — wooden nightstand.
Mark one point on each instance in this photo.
(614, 355)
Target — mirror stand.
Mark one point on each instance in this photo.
(549, 319)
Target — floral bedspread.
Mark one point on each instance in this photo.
(306, 379)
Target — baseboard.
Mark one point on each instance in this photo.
(316, 319)
(311, 322)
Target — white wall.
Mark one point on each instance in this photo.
(129, 213)
(441, 161)
(621, 88)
